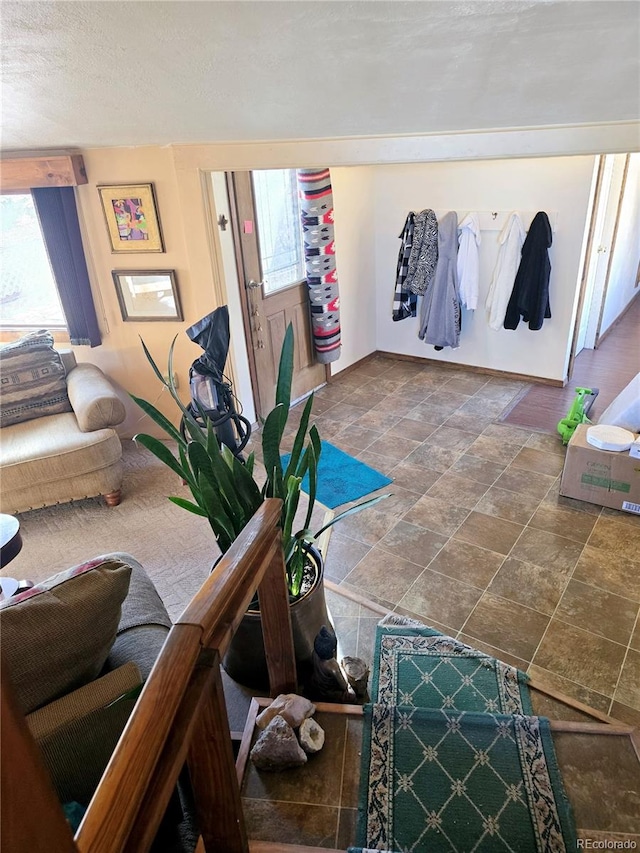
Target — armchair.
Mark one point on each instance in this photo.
(72, 454)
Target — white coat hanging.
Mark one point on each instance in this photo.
(469, 260)
(511, 240)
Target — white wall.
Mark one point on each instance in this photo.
(371, 203)
(626, 253)
(355, 260)
(401, 162)
(557, 185)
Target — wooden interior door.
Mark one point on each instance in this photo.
(271, 272)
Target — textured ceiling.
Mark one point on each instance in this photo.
(93, 74)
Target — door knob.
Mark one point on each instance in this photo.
(252, 285)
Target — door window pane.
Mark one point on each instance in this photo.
(279, 228)
(28, 294)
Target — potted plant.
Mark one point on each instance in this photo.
(225, 492)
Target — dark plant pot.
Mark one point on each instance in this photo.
(245, 660)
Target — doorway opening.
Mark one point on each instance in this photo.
(610, 259)
(261, 229)
(605, 347)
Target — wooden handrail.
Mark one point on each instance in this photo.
(122, 789)
(225, 595)
(181, 714)
(27, 790)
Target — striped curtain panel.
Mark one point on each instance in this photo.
(316, 211)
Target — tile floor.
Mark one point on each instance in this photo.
(476, 540)
(317, 804)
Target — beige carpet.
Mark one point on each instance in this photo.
(176, 548)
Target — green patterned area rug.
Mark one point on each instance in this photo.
(453, 760)
(420, 667)
(449, 781)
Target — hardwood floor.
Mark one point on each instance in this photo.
(609, 368)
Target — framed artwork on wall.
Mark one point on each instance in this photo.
(132, 218)
(147, 295)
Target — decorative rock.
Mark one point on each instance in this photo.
(311, 736)
(357, 673)
(291, 707)
(277, 748)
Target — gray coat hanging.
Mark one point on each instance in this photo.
(440, 310)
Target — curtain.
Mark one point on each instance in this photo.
(58, 215)
(316, 211)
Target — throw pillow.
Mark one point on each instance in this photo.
(32, 379)
(56, 636)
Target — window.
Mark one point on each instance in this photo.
(28, 293)
(279, 228)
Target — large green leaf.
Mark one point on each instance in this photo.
(227, 456)
(351, 511)
(212, 438)
(151, 361)
(314, 435)
(188, 505)
(279, 488)
(300, 437)
(204, 467)
(295, 568)
(248, 490)
(223, 476)
(271, 438)
(200, 461)
(170, 386)
(290, 506)
(313, 483)
(193, 428)
(162, 452)
(221, 523)
(184, 461)
(303, 465)
(172, 383)
(285, 370)
(157, 416)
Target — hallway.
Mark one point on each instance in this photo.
(610, 368)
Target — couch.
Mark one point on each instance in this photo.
(57, 441)
(77, 648)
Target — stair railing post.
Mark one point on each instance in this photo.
(275, 614)
(213, 775)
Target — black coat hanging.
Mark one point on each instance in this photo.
(530, 296)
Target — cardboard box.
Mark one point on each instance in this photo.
(601, 477)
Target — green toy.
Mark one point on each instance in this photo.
(577, 414)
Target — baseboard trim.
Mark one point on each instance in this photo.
(618, 319)
(488, 371)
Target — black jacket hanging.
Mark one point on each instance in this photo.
(530, 295)
(404, 301)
